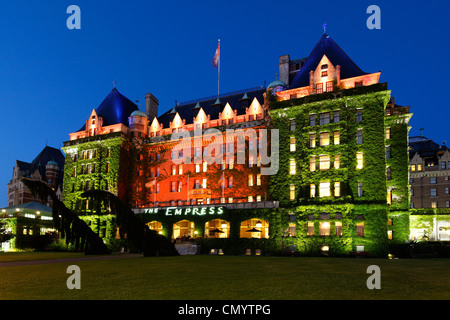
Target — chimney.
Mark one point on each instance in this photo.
(151, 106)
(283, 68)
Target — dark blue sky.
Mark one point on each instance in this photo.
(52, 77)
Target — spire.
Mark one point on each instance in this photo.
(324, 26)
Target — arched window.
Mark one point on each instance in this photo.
(217, 228)
(155, 225)
(183, 229)
(254, 228)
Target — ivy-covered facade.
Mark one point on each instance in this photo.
(342, 181)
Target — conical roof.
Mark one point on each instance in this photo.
(115, 108)
(326, 46)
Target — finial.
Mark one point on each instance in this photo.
(421, 132)
(324, 26)
(114, 83)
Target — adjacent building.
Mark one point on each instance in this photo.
(48, 167)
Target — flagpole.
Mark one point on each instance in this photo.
(218, 74)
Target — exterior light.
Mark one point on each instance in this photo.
(224, 225)
(259, 224)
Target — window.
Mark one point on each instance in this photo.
(413, 168)
(292, 166)
(447, 204)
(324, 228)
(310, 228)
(388, 173)
(312, 190)
(324, 189)
(324, 73)
(292, 125)
(359, 115)
(204, 182)
(174, 170)
(359, 160)
(337, 137)
(292, 144)
(180, 186)
(337, 189)
(433, 180)
(433, 192)
(336, 117)
(197, 184)
(312, 119)
(360, 229)
(412, 191)
(360, 189)
(338, 228)
(250, 199)
(324, 118)
(292, 192)
(337, 161)
(329, 86)
(443, 165)
(447, 190)
(434, 204)
(419, 167)
(358, 84)
(250, 180)
(230, 182)
(388, 152)
(319, 88)
(258, 179)
(359, 136)
(387, 133)
(172, 186)
(325, 139)
(180, 169)
(324, 162)
(312, 163)
(312, 140)
(197, 168)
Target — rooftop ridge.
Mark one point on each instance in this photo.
(220, 95)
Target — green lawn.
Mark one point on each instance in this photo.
(227, 278)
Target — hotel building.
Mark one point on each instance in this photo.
(339, 183)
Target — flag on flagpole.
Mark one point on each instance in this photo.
(216, 59)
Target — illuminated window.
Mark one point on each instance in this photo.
(325, 139)
(389, 233)
(329, 86)
(337, 137)
(250, 180)
(292, 144)
(312, 163)
(360, 229)
(180, 186)
(174, 170)
(413, 167)
(292, 192)
(310, 231)
(324, 189)
(337, 189)
(434, 204)
(312, 140)
(172, 186)
(183, 228)
(359, 160)
(258, 198)
(250, 199)
(324, 162)
(312, 190)
(205, 166)
(337, 161)
(230, 199)
(387, 133)
(324, 228)
(180, 169)
(419, 167)
(155, 225)
(338, 228)
(204, 183)
(197, 168)
(319, 88)
(258, 179)
(217, 228)
(389, 197)
(292, 166)
(254, 228)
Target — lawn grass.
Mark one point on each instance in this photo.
(230, 278)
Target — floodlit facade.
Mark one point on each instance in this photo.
(315, 163)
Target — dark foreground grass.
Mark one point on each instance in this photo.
(230, 278)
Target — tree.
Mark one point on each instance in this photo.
(148, 241)
(70, 227)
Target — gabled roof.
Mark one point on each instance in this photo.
(212, 107)
(115, 108)
(326, 46)
(423, 146)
